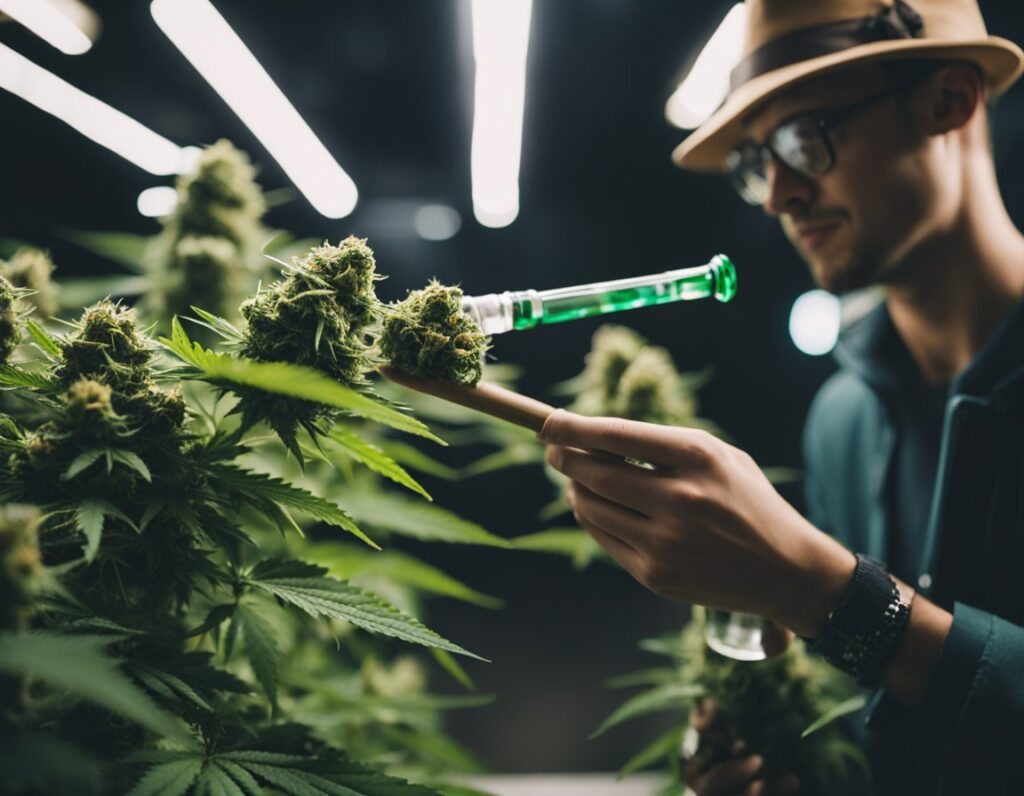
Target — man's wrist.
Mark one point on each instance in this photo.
(832, 568)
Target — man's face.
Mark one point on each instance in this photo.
(854, 224)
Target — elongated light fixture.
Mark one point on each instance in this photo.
(94, 119)
(48, 23)
(501, 36)
(707, 83)
(221, 57)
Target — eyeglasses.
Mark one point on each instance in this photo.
(801, 143)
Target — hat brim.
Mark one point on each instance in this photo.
(706, 147)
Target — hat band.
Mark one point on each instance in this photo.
(899, 21)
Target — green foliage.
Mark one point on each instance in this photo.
(10, 326)
(79, 665)
(307, 587)
(626, 377)
(31, 269)
(166, 541)
(20, 565)
(783, 708)
(428, 335)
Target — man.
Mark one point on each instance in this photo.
(863, 126)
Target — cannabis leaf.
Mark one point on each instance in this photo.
(349, 562)
(39, 336)
(259, 489)
(90, 520)
(285, 378)
(307, 587)
(82, 462)
(416, 519)
(667, 744)
(169, 779)
(261, 649)
(671, 696)
(374, 458)
(410, 456)
(851, 705)
(572, 542)
(80, 665)
(11, 376)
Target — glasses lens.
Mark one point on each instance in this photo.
(801, 145)
(748, 170)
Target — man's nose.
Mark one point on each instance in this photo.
(787, 189)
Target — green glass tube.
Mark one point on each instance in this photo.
(523, 309)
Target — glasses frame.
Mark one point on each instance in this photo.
(740, 162)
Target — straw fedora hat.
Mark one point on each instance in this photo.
(787, 41)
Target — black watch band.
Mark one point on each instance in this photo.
(865, 628)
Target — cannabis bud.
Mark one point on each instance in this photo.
(611, 351)
(428, 335)
(20, 565)
(652, 390)
(10, 323)
(625, 377)
(31, 269)
(203, 269)
(320, 314)
(105, 346)
(88, 404)
(220, 197)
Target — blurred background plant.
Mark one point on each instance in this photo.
(209, 253)
(784, 708)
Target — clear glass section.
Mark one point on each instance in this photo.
(735, 635)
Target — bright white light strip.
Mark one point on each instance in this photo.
(48, 24)
(206, 39)
(704, 88)
(501, 35)
(158, 201)
(91, 117)
(814, 322)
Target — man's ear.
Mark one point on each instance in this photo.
(952, 96)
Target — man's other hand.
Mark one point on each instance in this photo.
(704, 525)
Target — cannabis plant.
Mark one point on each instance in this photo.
(783, 708)
(173, 596)
(209, 252)
(31, 269)
(428, 335)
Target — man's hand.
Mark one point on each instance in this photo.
(703, 526)
(743, 775)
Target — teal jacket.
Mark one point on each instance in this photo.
(967, 734)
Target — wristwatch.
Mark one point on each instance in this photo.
(866, 626)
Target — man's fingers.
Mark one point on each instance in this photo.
(623, 523)
(729, 777)
(617, 481)
(591, 521)
(785, 783)
(659, 445)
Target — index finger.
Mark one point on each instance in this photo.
(663, 446)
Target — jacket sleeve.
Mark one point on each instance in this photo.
(969, 726)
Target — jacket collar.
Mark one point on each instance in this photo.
(873, 349)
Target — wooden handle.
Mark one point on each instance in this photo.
(487, 398)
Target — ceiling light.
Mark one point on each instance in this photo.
(158, 202)
(91, 117)
(501, 35)
(48, 23)
(814, 322)
(219, 55)
(707, 83)
(437, 222)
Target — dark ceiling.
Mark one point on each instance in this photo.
(387, 86)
